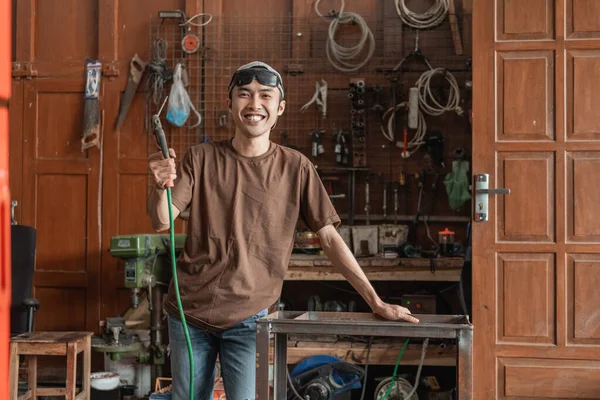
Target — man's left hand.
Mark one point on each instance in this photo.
(395, 312)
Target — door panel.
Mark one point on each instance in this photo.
(526, 292)
(583, 205)
(77, 36)
(61, 186)
(583, 297)
(536, 262)
(528, 213)
(583, 86)
(536, 379)
(518, 20)
(582, 19)
(525, 95)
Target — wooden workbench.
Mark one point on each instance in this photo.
(317, 267)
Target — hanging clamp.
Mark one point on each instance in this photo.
(319, 97)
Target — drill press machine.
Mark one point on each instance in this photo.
(148, 272)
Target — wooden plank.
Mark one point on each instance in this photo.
(52, 392)
(58, 349)
(374, 274)
(305, 260)
(50, 337)
(87, 367)
(71, 370)
(467, 26)
(32, 375)
(25, 396)
(458, 48)
(380, 355)
(14, 370)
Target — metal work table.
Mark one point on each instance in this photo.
(282, 323)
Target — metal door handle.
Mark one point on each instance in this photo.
(493, 191)
(482, 192)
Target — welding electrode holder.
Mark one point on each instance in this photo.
(159, 135)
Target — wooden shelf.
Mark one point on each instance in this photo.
(381, 353)
(304, 267)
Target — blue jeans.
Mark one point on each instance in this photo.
(236, 347)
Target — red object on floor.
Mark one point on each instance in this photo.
(5, 198)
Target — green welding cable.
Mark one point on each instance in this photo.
(393, 383)
(176, 286)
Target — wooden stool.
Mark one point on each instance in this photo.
(33, 344)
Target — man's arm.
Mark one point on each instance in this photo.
(158, 208)
(342, 258)
(164, 173)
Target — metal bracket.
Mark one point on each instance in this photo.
(23, 70)
(13, 204)
(482, 192)
(110, 70)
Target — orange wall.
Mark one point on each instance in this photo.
(5, 56)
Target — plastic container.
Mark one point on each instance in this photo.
(104, 386)
(446, 242)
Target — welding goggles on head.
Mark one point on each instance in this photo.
(263, 76)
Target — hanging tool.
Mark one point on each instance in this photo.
(377, 106)
(317, 145)
(190, 43)
(416, 53)
(91, 112)
(420, 178)
(320, 97)
(403, 192)
(136, 70)
(341, 146)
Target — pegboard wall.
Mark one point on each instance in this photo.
(297, 47)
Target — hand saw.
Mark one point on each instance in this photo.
(136, 70)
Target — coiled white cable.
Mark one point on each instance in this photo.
(428, 102)
(339, 56)
(434, 16)
(418, 138)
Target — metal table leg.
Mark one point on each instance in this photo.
(262, 362)
(465, 364)
(280, 361)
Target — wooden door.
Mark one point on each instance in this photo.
(536, 262)
(58, 192)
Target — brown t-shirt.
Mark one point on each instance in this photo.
(243, 213)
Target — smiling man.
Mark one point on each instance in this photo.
(245, 196)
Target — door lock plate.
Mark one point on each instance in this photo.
(482, 192)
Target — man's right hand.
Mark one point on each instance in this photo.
(163, 170)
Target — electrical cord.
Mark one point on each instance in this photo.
(178, 296)
(427, 101)
(418, 377)
(434, 16)
(387, 393)
(338, 55)
(364, 384)
(417, 140)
